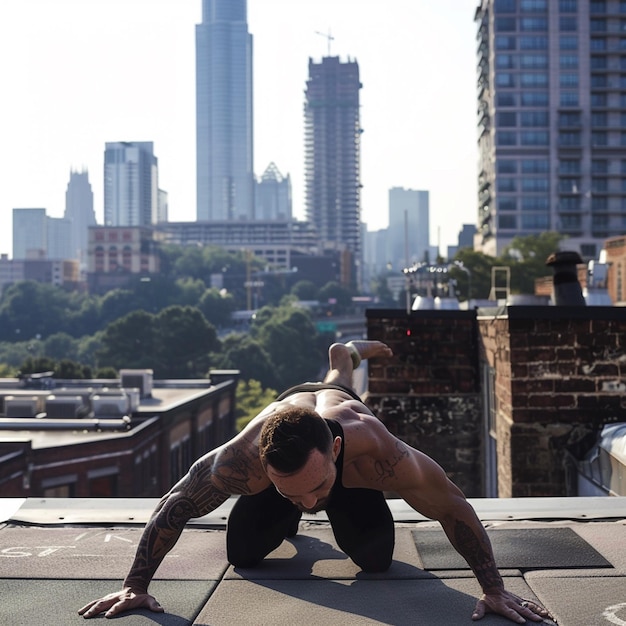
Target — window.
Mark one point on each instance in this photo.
(533, 43)
(571, 203)
(570, 119)
(599, 185)
(623, 166)
(597, 6)
(568, 6)
(533, 24)
(534, 80)
(569, 99)
(569, 138)
(597, 44)
(535, 99)
(568, 23)
(569, 166)
(533, 6)
(534, 138)
(599, 119)
(505, 61)
(588, 250)
(506, 119)
(599, 138)
(568, 80)
(506, 138)
(570, 222)
(598, 62)
(504, 6)
(568, 61)
(599, 99)
(504, 79)
(505, 43)
(598, 81)
(535, 166)
(597, 26)
(504, 24)
(506, 184)
(599, 166)
(534, 118)
(535, 185)
(568, 42)
(534, 61)
(569, 185)
(506, 166)
(507, 221)
(535, 203)
(507, 203)
(541, 222)
(504, 99)
(599, 203)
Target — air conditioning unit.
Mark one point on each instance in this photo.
(138, 379)
(21, 406)
(66, 406)
(110, 405)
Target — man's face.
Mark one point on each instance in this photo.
(309, 488)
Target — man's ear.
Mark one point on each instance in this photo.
(336, 448)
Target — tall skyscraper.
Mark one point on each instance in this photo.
(332, 153)
(408, 238)
(551, 121)
(79, 211)
(224, 157)
(131, 184)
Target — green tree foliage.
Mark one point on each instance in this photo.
(242, 352)
(305, 290)
(61, 346)
(63, 368)
(252, 398)
(183, 340)
(217, 306)
(479, 265)
(334, 292)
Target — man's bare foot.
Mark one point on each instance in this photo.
(366, 349)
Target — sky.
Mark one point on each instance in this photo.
(78, 73)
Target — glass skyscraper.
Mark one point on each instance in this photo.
(225, 177)
(551, 121)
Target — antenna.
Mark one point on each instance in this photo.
(328, 36)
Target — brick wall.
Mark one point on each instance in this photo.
(559, 376)
(428, 394)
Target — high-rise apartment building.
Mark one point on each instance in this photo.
(79, 211)
(551, 121)
(30, 233)
(408, 237)
(130, 184)
(332, 154)
(224, 157)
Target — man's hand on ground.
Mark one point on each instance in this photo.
(510, 606)
(116, 603)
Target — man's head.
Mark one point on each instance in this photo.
(298, 453)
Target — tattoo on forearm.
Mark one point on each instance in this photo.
(387, 469)
(477, 552)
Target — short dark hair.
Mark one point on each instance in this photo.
(288, 437)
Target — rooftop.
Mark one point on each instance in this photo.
(58, 554)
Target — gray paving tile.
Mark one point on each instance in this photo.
(61, 552)
(56, 602)
(515, 548)
(583, 601)
(348, 602)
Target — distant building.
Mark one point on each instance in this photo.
(551, 112)
(466, 236)
(30, 232)
(131, 184)
(162, 206)
(273, 195)
(408, 238)
(59, 239)
(126, 437)
(80, 213)
(332, 156)
(116, 254)
(224, 157)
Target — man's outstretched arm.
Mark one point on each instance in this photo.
(194, 496)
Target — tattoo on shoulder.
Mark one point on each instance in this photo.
(235, 468)
(386, 469)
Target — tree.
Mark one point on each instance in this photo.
(183, 341)
(129, 342)
(61, 346)
(243, 353)
(479, 265)
(252, 398)
(305, 290)
(217, 306)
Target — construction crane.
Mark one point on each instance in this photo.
(328, 37)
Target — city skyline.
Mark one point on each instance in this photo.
(74, 88)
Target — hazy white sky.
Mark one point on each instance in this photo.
(78, 73)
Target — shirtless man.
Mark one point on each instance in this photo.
(317, 447)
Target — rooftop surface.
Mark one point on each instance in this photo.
(58, 554)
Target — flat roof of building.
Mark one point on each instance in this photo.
(58, 554)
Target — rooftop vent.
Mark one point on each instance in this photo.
(138, 379)
(109, 405)
(21, 406)
(59, 407)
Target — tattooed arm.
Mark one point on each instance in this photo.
(230, 470)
